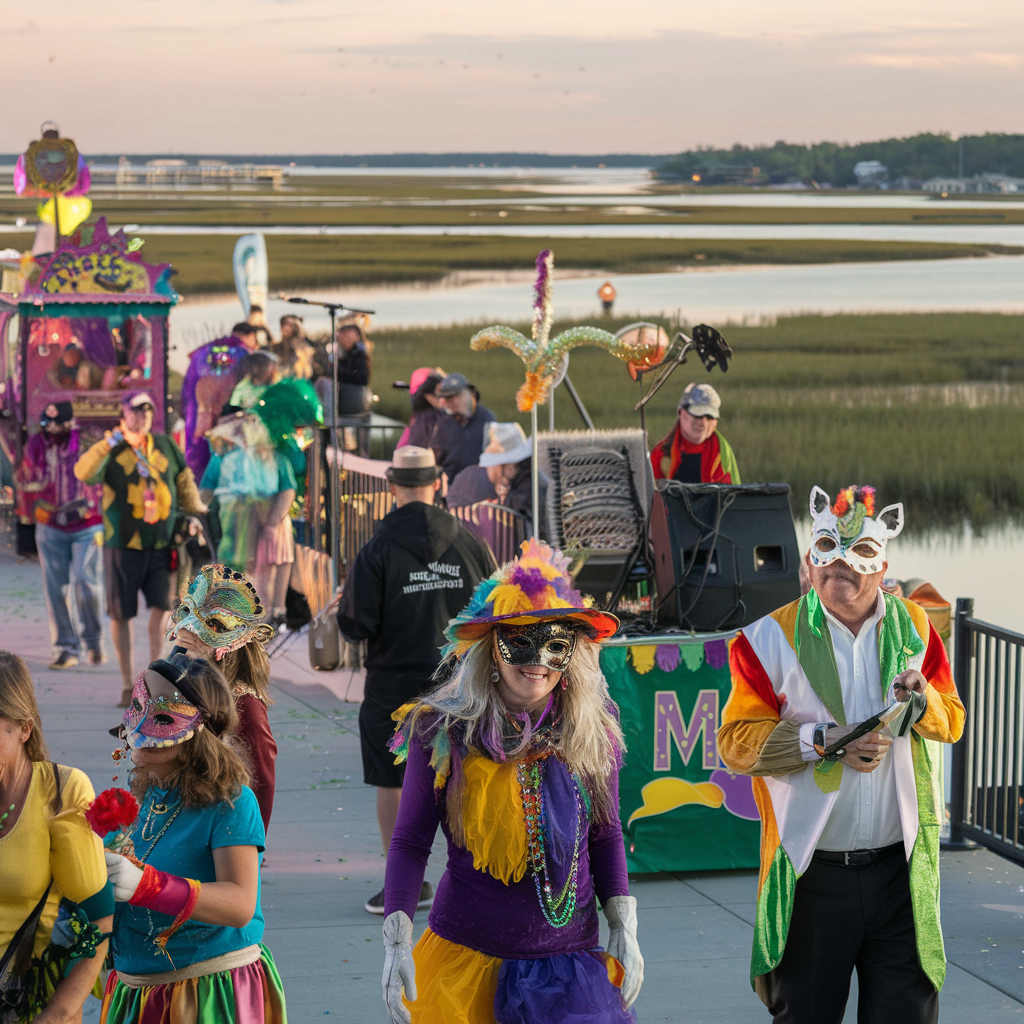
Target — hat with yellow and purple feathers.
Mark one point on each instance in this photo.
(535, 587)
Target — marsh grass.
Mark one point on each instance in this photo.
(929, 408)
(203, 262)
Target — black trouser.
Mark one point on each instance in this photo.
(846, 918)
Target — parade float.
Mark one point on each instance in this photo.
(87, 324)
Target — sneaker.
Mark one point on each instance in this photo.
(64, 660)
(375, 904)
(96, 656)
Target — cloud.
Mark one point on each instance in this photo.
(316, 86)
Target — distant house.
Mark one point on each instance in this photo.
(870, 173)
(982, 183)
(725, 174)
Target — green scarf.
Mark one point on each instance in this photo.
(898, 641)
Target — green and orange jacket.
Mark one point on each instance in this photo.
(776, 687)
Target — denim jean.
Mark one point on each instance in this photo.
(72, 561)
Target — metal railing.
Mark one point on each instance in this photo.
(988, 763)
(502, 529)
(365, 499)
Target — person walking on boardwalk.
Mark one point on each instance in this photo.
(839, 703)
(515, 755)
(188, 924)
(407, 581)
(69, 535)
(145, 483)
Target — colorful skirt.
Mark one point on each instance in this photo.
(276, 546)
(458, 985)
(245, 995)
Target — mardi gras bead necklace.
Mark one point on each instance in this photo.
(557, 909)
(4, 816)
(158, 809)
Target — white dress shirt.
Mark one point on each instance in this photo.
(866, 814)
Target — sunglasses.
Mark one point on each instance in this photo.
(145, 407)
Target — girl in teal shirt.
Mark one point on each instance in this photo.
(188, 924)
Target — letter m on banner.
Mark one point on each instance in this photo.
(670, 726)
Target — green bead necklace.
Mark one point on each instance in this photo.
(4, 816)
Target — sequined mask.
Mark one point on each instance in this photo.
(550, 644)
(223, 609)
(163, 721)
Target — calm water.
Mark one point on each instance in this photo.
(994, 284)
(971, 234)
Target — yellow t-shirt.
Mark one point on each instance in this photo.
(40, 846)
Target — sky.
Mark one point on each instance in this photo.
(560, 76)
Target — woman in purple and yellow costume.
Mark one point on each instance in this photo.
(515, 755)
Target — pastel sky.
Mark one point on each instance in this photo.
(335, 76)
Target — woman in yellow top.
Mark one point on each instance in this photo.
(55, 901)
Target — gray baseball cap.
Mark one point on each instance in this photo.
(452, 385)
(701, 400)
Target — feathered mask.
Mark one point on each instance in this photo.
(846, 530)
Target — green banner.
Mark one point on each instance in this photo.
(681, 809)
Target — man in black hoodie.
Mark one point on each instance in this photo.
(416, 572)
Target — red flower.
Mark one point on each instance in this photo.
(112, 811)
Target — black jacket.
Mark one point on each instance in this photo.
(458, 445)
(415, 573)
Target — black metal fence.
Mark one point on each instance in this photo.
(500, 528)
(988, 763)
(364, 500)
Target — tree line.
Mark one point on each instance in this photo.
(915, 159)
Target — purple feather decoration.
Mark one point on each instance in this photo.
(716, 653)
(530, 581)
(667, 657)
(540, 289)
(542, 314)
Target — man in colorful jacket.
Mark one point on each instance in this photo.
(694, 452)
(145, 485)
(849, 825)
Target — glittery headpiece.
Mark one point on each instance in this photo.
(535, 587)
(223, 609)
(846, 530)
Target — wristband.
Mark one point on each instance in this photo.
(166, 894)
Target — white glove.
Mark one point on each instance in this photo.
(399, 968)
(123, 875)
(621, 914)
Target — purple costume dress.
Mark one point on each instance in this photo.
(202, 398)
(548, 972)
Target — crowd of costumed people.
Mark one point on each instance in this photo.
(486, 715)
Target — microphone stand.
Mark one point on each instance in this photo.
(332, 308)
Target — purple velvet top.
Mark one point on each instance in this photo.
(475, 909)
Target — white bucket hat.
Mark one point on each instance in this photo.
(506, 443)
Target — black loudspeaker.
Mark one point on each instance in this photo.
(724, 555)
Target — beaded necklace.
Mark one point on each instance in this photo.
(557, 909)
(157, 809)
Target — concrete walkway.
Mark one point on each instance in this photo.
(324, 860)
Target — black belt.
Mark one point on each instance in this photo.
(857, 858)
